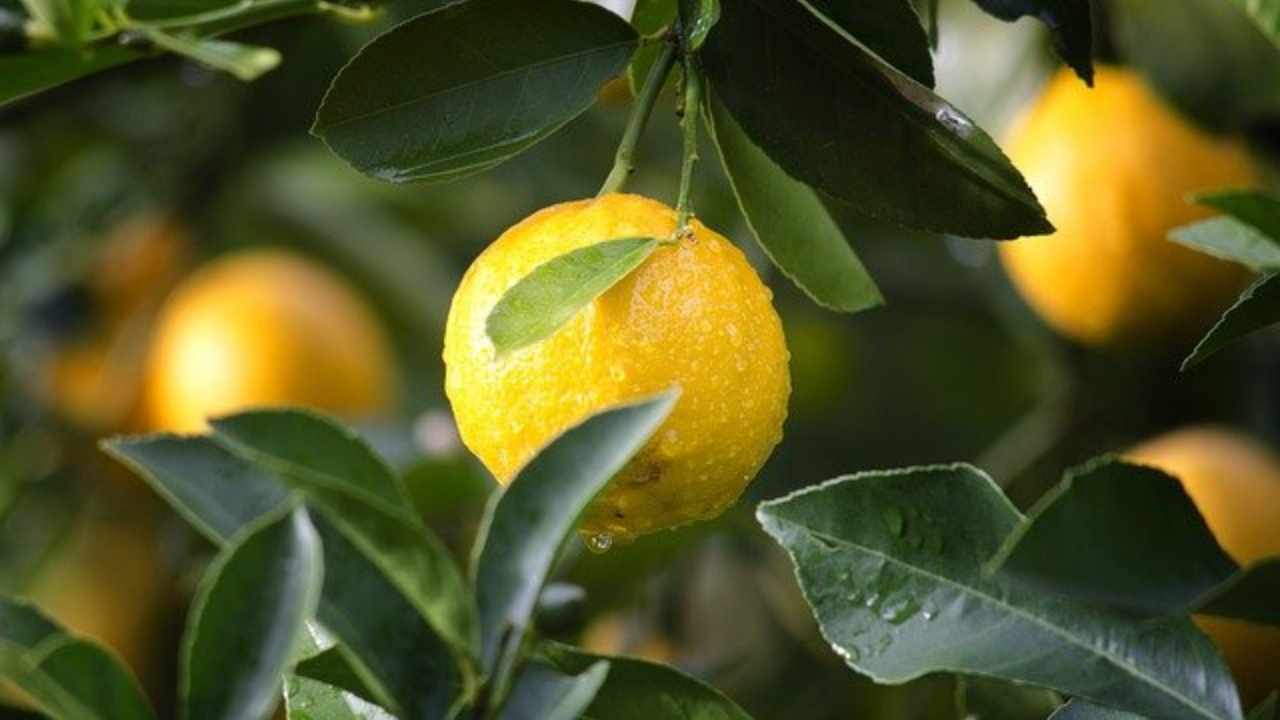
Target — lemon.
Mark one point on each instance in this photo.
(616, 633)
(1235, 483)
(1113, 167)
(694, 314)
(265, 327)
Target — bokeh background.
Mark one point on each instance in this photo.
(117, 187)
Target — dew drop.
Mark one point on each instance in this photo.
(953, 120)
(600, 543)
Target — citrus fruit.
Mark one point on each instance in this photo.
(693, 314)
(265, 327)
(1235, 483)
(1113, 167)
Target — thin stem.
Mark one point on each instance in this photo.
(689, 125)
(624, 160)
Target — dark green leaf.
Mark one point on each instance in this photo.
(982, 699)
(641, 690)
(253, 603)
(836, 117)
(1268, 709)
(245, 62)
(1070, 21)
(889, 28)
(1248, 595)
(1266, 13)
(1257, 208)
(69, 678)
(307, 699)
(533, 518)
(70, 20)
(27, 73)
(1257, 307)
(334, 667)
(1230, 239)
(550, 295)
(1081, 710)
(649, 18)
(892, 564)
(790, 223)
(458, 90)
(542, 692)
(697, 17)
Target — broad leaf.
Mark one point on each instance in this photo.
(1081, 710)
(307, 699)
(253, 603)
(1268, 709)
(458, 90)
(334, 667)
(1070, 21)
(1248, 595)
(697, 17)
(549, 296)
(541, 692)
(641, 690)
(892, 564)
(649, 19)
(32, 71)
(889, 28)
(835, 116)
(245, 62)
(1257, 307)
(1253, 207)
(982, 699)
(1266, 13)
(532, 519)
(789, 221)
(1232, 240)
(69, 678)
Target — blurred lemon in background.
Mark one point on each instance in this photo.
(617, 633)
(1235, 483)
(1113, 167)
(694, 314)
(265, 327)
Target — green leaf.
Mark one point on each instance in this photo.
(1070, 21)
(254, 602)
(1254, 207)
(1268, 709)
(553, 292)
(1081, 710)
(641, 690)
(26, 73)
(458, 90)
(789, 221)
(307, 699)
(1266, 13)
(1257, 307)
(1247, 595)
(978, 698)
(533, 518)
(71, 21)
(334, 667)
(649, 19)
(888, 28)
(697, 17)
(892, 564)
(245, 62)
(541, 692)
(69, 678)
(836, 117)
(1230, 239)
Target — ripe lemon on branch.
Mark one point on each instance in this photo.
(1113, 167)
(693, 314)
(1235, 484)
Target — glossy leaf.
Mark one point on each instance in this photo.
(1256, 308)
(1253, 207)
(641, 690)
(245, 62)
(697, 17)
(307, 699)
(253, 603)
(541, 692)
(1070, 21)
(69, 678)
(553, 292)
(1232, 240)
(833, 115)
(334, 667)
(889, 28)
(1266, 13)
(892, 564)
(453, 92)
(790, 223)
(539, 510)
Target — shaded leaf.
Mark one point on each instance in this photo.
(982, 699)
(553, 292)
(1266, 13)
(253, 603)
(1248, 595)
(649, 19)
(453, 92)
(69, 678)
(859, 130)
(789, 221)
(542, 692)
(1070, 21)
(533, 518)
(1256, 308)
(1268, 709)
(26, 73)
(1230, 239)
(889, 28)
(697, 17)
(333, 667)
(892, 564)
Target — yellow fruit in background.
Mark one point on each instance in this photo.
(1235, 483)
(265, 327)
(1113, 167)
(616, 634)
(694, 314)
(142, 259)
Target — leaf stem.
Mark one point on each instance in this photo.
(689, 125)
(624, 160)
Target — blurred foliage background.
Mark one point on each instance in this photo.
(115, 188)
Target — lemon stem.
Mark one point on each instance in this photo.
(689, 124)
(624, 161)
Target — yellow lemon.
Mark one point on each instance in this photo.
(265, 327)
(694, 314)
(617, 634)
(1112, 167)
(1235, 483)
